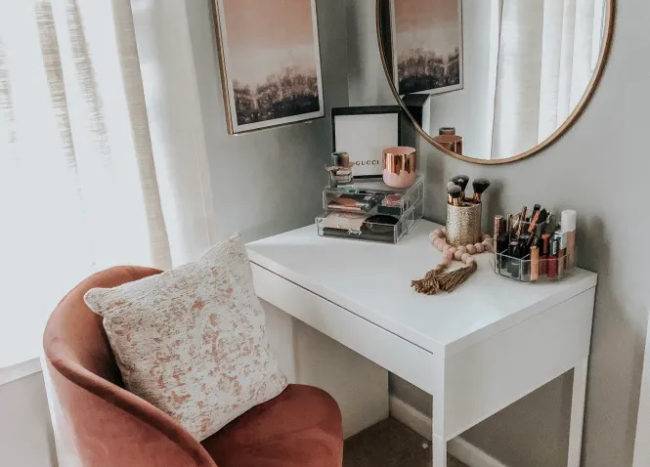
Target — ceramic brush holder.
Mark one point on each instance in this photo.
(464, 224)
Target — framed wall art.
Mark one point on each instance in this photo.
(427, 45)
(269, 57)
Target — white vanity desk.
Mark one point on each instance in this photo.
(476, 350)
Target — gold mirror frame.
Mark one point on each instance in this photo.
(570, 121)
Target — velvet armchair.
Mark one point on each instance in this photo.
(99, 423)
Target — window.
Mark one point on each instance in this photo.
(77, 192)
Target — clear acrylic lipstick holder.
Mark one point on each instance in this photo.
(521, 269)
(550, 268)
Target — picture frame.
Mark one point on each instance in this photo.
(418, 30)
(364, 132)
(269, 58)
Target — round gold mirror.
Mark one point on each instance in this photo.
(493, 81)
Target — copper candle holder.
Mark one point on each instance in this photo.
(399, 166)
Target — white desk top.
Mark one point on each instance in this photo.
(373, 281)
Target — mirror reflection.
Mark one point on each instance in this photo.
(492, 79)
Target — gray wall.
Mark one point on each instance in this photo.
(600, 168)
(364, 63)
(25, 431)
(268, 181)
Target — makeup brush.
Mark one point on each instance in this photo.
(536, 209)
(534, 219)
(458, 179)
(455, 193)
(522, 220)
(550, 221)
(515, 220)
(450, 186)
(461, 181)
(543, 216)
(538, 224)
(479, 185)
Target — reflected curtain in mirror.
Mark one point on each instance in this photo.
(548, 52)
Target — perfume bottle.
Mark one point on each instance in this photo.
(340, 169)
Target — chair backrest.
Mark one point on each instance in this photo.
(97, 422)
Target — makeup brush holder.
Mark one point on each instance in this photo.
(464, 224)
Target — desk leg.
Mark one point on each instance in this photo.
(439, 450)
(438, 438)
(577, 412)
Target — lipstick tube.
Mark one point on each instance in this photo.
(534, 263)
(543, 264)
(560, 239)
(552, 269)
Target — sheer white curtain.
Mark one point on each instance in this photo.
(78, 184)
(548, 51)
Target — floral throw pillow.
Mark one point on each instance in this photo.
(192, 341)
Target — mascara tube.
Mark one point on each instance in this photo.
(513, 261)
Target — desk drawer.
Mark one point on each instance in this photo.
(373, 342)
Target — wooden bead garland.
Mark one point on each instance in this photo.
(437, 279)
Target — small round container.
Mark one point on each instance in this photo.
(399, 166)
(448, 139)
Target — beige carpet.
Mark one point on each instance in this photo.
(389, 444)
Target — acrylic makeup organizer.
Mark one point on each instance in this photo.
(520, 269)
(551, 268)
(381, 213)
(378, 228)
(386, 200)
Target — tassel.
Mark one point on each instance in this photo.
(436, 281)
(450, 280)
(429, 285)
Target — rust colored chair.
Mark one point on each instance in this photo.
(98, 423)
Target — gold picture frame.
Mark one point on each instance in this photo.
(269, 58)
(417, 83)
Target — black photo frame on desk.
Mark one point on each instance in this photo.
(364, 132)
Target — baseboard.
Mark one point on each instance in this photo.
(458, 447)
(410, 416)
(20, 370)
(471, 454)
